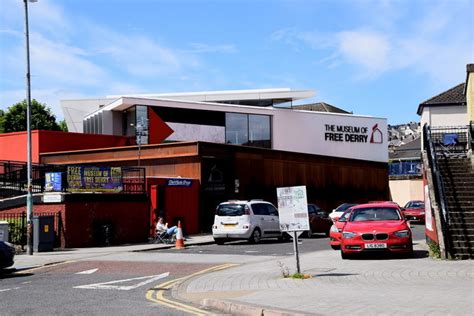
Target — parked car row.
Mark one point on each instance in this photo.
(354, 229)
(256, 219)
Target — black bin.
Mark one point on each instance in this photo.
(43, 233)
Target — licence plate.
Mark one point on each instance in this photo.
(376, 246)
(229, 225)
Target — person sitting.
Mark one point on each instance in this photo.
(161, 227)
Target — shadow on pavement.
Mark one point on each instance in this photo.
(13, 273)
(417, 254)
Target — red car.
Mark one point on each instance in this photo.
(335, 233)
(376, 227)
(415, 211)
(319, 221)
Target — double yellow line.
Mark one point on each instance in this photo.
(156, 294)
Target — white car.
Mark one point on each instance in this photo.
(250, 220)
(338, 211)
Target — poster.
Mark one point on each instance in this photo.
(293, 208)
(53, 182)
(94, 179)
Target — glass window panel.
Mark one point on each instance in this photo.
(236, 128)
(259, 131)
(142, 124)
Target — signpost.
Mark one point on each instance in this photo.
(293, 213)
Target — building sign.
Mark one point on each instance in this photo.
(53, 198)
(94, 179)
(53, 182)
(353, 134)
(178, 182)
(293, 208)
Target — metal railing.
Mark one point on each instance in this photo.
(17, 227)
(404, 168)
(451, 139)
(13, 178)
(430, 148)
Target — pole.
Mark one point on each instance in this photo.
(29, 197)
(139, 146)
(295, 247)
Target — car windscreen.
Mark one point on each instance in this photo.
(415, 205)
(231, 210)
(375, 214)
(344, 207)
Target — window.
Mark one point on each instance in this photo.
(236, 128)
(248, 130)
(231, 210)
(259, 131)
(259, 209)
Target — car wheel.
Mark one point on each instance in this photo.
(219, 241)
(335, 247)
(256, 236)
(327, 233)
(309, 233)
(284, 237)
(344, 255)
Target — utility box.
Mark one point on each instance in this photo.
(3, 231)
(43, 233)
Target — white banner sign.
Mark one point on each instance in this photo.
(293, 208)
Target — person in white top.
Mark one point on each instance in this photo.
(161, 227)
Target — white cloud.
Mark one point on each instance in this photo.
(366, 49)
(206, 48)
(438, 43)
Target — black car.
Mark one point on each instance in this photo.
(7, 254)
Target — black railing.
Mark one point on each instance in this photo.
(430, 148)
(451, 139)
(17, 227)
(404, 168)
(13, 178)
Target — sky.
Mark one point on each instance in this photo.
(377, 58)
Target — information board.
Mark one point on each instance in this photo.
(293, 208)
(94, 179)
(53, 182)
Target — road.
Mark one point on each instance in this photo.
(132, 283)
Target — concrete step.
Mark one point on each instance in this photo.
(464, 256)
(461, 231)
(461, 215)
(456, 222)
(463, 238)
(462, 244)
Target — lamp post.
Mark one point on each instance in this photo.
(140, 128)
(29, 197)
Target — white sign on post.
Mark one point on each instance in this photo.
(293, 209)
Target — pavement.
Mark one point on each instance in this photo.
(368, 286)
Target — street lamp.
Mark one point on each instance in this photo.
(29, 197)
(140, 129)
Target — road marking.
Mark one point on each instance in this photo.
(5, 290)
(158, 297)
(87, 271)
(48, 265)
(251, 251)
(108, 286)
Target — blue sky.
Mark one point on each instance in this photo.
(378, 58)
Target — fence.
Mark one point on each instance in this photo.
(405, 168)
(13, 178)
(17, 227)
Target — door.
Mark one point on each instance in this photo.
(273, 220)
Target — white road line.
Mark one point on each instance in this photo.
(5, 290)
(87, 271)
(108, 286)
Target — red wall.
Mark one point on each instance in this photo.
(13, 145)
(130, 220)
(179, 202)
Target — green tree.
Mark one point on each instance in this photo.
(14, 119)
(2, 116)
(63, 126)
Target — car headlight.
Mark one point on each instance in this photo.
(334, 229)
(349, 235)
(422, 213)
(402, 233)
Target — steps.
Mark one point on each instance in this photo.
(458, 182)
